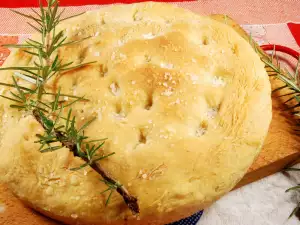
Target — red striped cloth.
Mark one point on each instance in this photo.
(295, 30)
(293, 27)
(35, 3)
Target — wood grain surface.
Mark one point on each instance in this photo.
(281, 148)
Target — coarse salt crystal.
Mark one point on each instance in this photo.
(167, 92)
(96, 53)
(122, 56)
(2, 208)
(96, 34)
(167, 65)
(114, 89)
(148, 36)
(133, 82)
(120, 42)
(144, 176)
(218, 82)
(194, 77)
(120, 116)
(74, 216)
(211, 113)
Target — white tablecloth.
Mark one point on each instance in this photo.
(261, 203)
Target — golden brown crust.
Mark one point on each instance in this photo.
(183, 100)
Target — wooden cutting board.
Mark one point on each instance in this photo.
(281, 148)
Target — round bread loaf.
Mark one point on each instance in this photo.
(182, 99)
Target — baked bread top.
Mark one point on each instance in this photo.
(182, 99)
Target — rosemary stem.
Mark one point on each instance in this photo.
(48, 63)
(130, 200)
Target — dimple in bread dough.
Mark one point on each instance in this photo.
(182, 99)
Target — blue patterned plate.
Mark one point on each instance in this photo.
(192, 220)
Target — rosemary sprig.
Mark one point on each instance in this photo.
(68, 135)
(75, 140)
(291, 82)
(58, 132)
